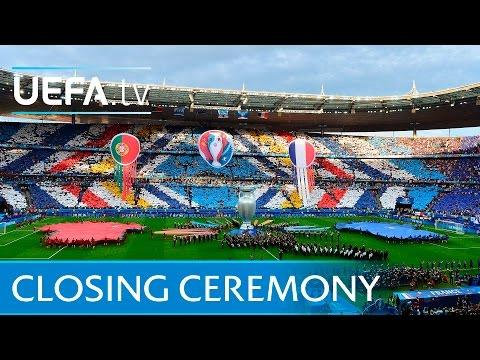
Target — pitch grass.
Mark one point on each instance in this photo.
(24, 244)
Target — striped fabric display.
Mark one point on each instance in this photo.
(125, 149)
(302, 155)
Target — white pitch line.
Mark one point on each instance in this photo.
(9, 232)
(11, 242)
(36, 221)
(263, 249)
(47, 258)
(56, 253)
(23, 258)
(270, 253)
(463, 248)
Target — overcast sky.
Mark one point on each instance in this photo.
(374, 70)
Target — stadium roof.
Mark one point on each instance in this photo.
(450, 108)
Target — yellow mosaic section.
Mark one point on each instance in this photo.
(143, 203)
(286, 161)
(291, 201)
(295, 199)
(102, 167)
(267, 140)
(274, 148)
(147, 131)
(114, 189)
(287, 204)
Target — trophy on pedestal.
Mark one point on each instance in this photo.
(246, 206)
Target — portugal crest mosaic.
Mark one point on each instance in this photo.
(125, 148)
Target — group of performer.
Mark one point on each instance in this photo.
(353, 252)
(280, 226)
(331, 235)
(192, 225)
(286, 242)
(194, 239)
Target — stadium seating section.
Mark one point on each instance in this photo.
(69, 166)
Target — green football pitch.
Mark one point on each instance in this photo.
(24, 244)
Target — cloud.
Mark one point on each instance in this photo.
(344, 70)
(358, 70)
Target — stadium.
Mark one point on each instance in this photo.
(403, 208)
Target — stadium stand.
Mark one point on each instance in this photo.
(352, 172)
(461, 201)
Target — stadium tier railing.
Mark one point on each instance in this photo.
(189, 152)
(180, 179)
(188, 212)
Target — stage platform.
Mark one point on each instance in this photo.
(185, 232)
(305, 229)
(242, 232)
(208, 224)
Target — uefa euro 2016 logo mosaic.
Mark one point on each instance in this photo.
(216, 147)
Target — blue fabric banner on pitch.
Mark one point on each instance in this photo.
(181, 287)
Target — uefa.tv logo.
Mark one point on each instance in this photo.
(72, 86)
(47, 90)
